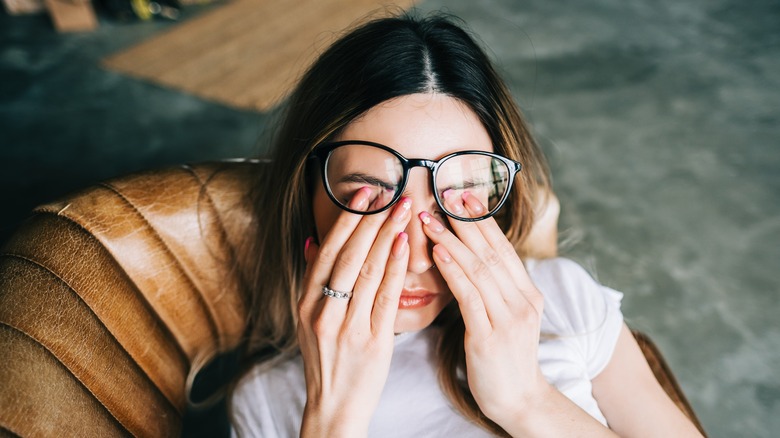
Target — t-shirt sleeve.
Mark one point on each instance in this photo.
(580, 309)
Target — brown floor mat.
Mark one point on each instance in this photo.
(247, 53)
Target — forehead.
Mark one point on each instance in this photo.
(421, 126)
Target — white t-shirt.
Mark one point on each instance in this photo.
(583, 316)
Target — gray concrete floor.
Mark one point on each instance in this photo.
(660, 120)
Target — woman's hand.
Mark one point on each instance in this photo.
(501, 309)
(502, 312)
(347, 344)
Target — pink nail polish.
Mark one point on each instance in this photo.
(402, 208)
(452, 203)
(307, 244)
(360, 199)
(473, 203)
(431, 222)
(399, 245)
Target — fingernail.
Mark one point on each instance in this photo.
(431, 222)
(306, 252)
(308, 242)
(360, 199)
(442, 253)
(473, 203)
(451, 201)
(399, 246)
(400, 211)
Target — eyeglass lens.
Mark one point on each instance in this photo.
(351, 167)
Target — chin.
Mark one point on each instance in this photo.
(417, 316)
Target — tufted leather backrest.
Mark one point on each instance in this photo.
(108, 298)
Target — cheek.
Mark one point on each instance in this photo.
(325, 212)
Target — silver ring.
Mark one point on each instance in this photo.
(335, 294)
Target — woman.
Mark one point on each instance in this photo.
(402, 305)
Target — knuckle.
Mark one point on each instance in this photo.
(321, 328)
(472, 300)
(490, 257)
(348, 260)
(481, 270)
(301, 307)
(328, 253)
(370, 270)
(506, 250)
(305, 305)
(532, 311)
(383, 301)
(526, 313)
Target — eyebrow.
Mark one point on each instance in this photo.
(363, 178)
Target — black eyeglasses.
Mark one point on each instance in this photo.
(348, 166)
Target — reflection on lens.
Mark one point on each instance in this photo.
(483, 176)
(351, 167)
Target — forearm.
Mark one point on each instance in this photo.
(552, 414)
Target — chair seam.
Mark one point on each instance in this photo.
(212, 323)
(45, 347)
(111, 334)
(223, 231)
(91, 235)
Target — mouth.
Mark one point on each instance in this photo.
(415, 298)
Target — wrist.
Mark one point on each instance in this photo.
(525, 407)
(545, 411)
(319, 421)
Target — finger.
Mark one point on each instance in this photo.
(305, 335)
(309, 356)
(470, 301)
(389, 292)
(476, 271)
(310, 312)
(374, 268)
(308, 300)
(310, 250)
(330, 248)
(506, 252)
(493, 249)
(351, 262)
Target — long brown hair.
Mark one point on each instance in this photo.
(379, 60)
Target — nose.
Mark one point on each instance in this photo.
(420, 247)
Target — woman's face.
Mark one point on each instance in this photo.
(417, 126)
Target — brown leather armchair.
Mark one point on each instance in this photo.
(112, 297)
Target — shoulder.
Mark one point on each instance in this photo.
(578, 312)
(575, 303)
(553, 268)
(561, 279)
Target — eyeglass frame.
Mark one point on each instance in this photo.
(323, 150)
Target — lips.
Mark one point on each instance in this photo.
(415, 298)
